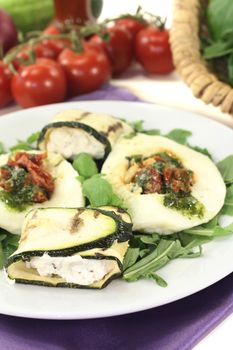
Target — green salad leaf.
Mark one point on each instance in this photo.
(228, 204)
(201, 150)
(85, 165)
(27, 145)
(8, 244)
(138, 127)
(179, 135)
(225, 167)
(2, 149)
(99, 192)
(165, 250)
(217, 49)
(130, 257)
(219, 18)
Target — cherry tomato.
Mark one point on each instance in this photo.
(41, 83)
(40, 51)
(52, 30)
(153, 50)
(56, 46)
(133, 25)
(47, 48)
(119, 48)
(85, 71)
(5, 84)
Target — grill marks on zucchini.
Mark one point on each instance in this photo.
(84, 233)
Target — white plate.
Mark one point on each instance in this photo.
(184, 276)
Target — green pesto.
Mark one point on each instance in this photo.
(185, 203)
(21, 196)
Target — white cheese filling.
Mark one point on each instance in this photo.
(74, 269)
(70, 142)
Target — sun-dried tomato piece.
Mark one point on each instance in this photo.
(33, 164)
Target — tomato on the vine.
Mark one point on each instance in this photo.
(85, 71)
(5, 84)
(133, 25)
(56, 46)
(41, 83)
(47, 48)
(153, 50)
(119, 48)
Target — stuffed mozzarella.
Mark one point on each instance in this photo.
(74, 131)
(35, 179)
(68, 247)
(166, 187)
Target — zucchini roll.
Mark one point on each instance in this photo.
(75, 131)
(67, 247)
(35, 179)
(167, 187)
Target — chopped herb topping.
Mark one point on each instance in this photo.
(163, 173)
(23, 181)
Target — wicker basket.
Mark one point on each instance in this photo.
(190, 65)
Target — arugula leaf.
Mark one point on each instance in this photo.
(150, 239)
(2, 150)
(179, 135)
(228, 204)
(210, 232)
(151, 132)
(201, 150)
(137, 125)
(2, 257)
(27, 145)
(33, 137)
(190, 241)
(8, 244)
(160, 256)
(21, 145)
(130, 257)
(85, 165)
(99, 192)
(225, 167)
(158, 279)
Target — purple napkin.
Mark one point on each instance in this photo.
(176, 326)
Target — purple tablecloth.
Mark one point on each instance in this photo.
(176, 326)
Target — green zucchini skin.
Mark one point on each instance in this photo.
(69, 285)
(123, 233)
(77, 125)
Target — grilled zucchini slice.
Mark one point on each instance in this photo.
(67, 247)
(75, 131)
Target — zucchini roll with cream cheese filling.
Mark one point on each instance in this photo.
(67, 247)
(167, 187)
(35, 179)
(75, 131)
